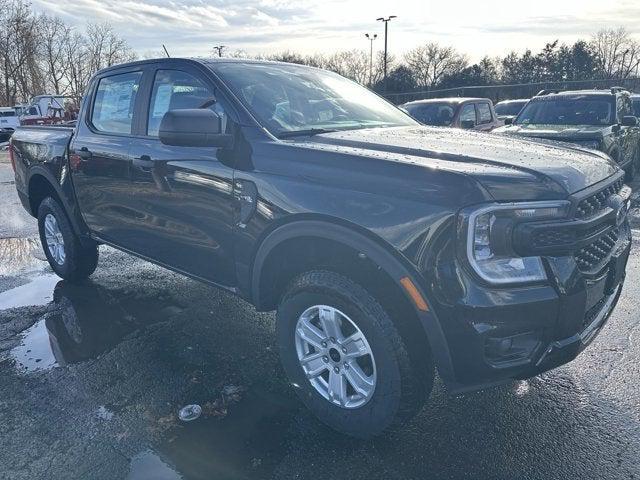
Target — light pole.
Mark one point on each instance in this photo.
(386, 30)
(219, 49)
(371, 38)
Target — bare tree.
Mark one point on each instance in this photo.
(617, 53)
(105, 48)
(430, 62)
(54, 34)
(76, 68)
(353, 64)
(18, 50)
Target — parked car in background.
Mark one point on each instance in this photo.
(9, 121)
(507, 110)
(389, 249)
(597, 119)
(21, 109)
(467, 113)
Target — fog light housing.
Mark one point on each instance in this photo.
(511, 350)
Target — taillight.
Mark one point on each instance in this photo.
(11, 157)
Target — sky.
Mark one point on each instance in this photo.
(475, 27)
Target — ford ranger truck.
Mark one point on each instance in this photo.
(597, 119)
(390, 250)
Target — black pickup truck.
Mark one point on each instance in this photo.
(599, 119)
(390, 250)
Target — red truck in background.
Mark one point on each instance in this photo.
(49, 110)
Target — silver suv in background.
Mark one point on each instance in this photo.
(9, 121)
(508, 110)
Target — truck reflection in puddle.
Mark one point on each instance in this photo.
(84, 321)
(249, 440)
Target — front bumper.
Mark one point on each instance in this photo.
(562, 351)
(498, 334)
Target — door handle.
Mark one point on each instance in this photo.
(143, 162)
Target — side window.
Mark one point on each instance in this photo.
(468, 113)
(114, 103)
(173, 90)
(484, 113)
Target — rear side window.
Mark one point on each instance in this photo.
(484, 113)
(8, 114)
(175, 89)
(114, 103)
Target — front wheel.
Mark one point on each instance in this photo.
(345, 357)
(67, 256)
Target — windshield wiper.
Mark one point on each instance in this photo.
(306, 132)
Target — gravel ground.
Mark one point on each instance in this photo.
(92, 377)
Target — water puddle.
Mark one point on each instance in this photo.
(39, 291)
(34, 353)
(149, 466)
(84, 321)
(249, 442)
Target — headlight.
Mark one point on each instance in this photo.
(487, 233)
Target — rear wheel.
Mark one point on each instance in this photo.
(345, 357)
(67, 256)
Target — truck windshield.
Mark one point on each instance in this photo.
(293, 99)
(567, 110)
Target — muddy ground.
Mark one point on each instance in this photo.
(92, 377)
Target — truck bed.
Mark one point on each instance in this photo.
(39, 150)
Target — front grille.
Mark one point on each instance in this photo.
(597, 202)
(552, 237)
(594, 255)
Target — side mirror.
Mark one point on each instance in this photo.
(508, 121)
(467, 124)
(193, 127)
(629, 121)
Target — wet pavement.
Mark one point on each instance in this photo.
(92, 377)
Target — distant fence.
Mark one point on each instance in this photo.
(516, 90)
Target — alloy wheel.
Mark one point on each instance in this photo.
(335, 356)
(54, 239)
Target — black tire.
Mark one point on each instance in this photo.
(400, 390)
(80, 261)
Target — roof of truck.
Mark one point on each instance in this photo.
(200, 61)
(453, 100)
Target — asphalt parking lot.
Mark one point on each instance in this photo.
(92, 377)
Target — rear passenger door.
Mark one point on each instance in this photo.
(184, 195)
(98, 154)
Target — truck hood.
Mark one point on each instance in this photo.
(564, 133)
(507, 167)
